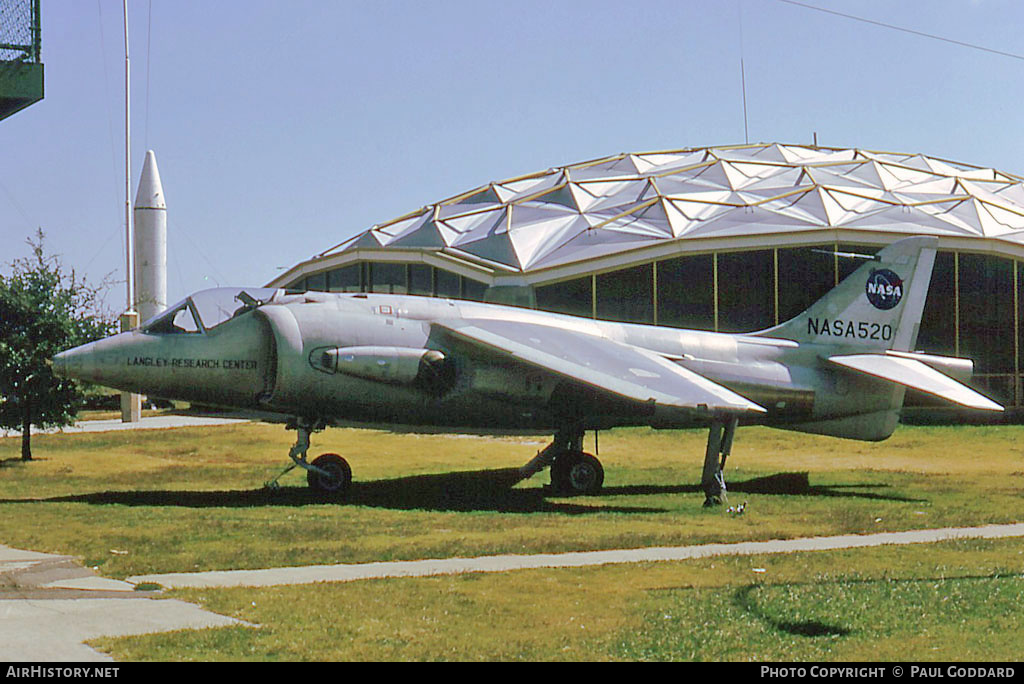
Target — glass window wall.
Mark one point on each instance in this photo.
(938, 323)
(473, 290)
(626, 295)
(447, 284)
(421, 279)
(345, 279)
(986, 312)
(746, 298)
(392, 278)
(573, 297)
(388, 278)
(806, 274)
(317, 282)
(686, 295)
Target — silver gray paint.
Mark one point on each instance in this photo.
(271, 357)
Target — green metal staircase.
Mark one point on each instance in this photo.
(21, 67)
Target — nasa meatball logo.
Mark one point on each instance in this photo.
(884, 289)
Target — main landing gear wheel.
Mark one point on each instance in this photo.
(576, 473)
(335, 479)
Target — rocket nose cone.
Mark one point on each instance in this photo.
(150, 194)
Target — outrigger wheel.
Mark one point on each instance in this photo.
(576, 473)
(333, 478)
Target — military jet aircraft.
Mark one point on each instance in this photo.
(839, 368)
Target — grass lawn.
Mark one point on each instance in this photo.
(192, 499)
(934, 602)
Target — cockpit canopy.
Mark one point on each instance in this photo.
(205, 310)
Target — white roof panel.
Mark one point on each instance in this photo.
(602, 206)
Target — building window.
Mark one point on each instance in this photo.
(447, 284)
(344, 279)
(986, 312)
(317, 282)
(938, 322)
(806, 274)
(686, 295)
(745, 291)
(387, 278)
(573, 297)
(421, 279)
(626, 295)
(473, 290)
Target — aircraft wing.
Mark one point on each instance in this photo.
(916, 375)
(621, 369)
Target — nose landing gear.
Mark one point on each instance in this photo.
(328, 474)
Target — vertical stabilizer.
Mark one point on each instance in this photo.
(877, 307)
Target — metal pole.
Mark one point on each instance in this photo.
(956, 303)
(775, 282)
(131, 405)
(37, 33)
(714, 285)
(743, 81)
(1016, 336)
(593, 295)
(835, 264)
(654, 289)
(129, 242)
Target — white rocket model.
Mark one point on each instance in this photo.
(150, 219)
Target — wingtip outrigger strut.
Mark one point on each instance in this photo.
(720, 438)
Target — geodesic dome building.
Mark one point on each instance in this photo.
(733, 238)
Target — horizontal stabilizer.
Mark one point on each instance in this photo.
(621, 369)
(916, 375)
(954, 367)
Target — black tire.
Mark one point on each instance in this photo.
(576, 473)
(338, 483)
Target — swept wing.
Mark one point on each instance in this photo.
(615, 367)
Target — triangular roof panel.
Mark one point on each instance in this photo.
(625, 201)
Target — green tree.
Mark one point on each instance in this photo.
(44, 309)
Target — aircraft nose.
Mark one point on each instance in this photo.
(59, 363)
(72, 363)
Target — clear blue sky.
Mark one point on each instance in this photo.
(282, 128)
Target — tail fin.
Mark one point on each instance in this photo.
(876, 308)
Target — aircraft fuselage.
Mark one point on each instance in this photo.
(270, 359)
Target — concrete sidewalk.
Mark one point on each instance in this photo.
(149, 423)
(53, 630)
(452, 566)
(50, 605)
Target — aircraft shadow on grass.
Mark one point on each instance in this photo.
(745, 598)
(469, 491)
(805, 628)
(787, 484)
